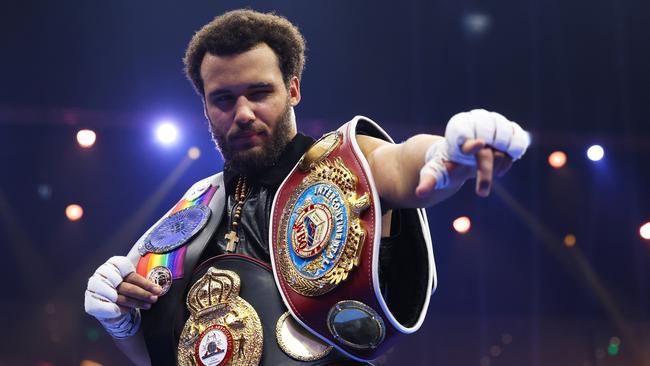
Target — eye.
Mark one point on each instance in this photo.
(258, 95)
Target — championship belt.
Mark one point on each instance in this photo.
(237, 318)
(223, 329)
(325, 235)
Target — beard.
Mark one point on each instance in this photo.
(254, 162)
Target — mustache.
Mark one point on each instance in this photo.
(250, 129)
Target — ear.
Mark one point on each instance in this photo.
(294, 91)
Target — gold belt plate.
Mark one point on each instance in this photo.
(223, 329)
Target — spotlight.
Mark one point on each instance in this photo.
(557, 159)
(74, 212)
(595, 153)
(194, 153)
(166, 132)
(570, 240)
(462, 224)
(644, 231)
(86, 138)
(476, 23)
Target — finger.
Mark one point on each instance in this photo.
(99, 306)
(425, 186)
(129, 302)
(136, 279)
(485, 165)
(472, 146)
(136, 292)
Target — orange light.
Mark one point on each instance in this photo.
(557, 159)
(74, 212)
(462, 224)
(90, 363)
(644, 231)
(194, 153)
(86, 138)
(570, 240)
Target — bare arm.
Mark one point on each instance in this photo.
(396, 170)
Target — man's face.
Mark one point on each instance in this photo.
(249, 107)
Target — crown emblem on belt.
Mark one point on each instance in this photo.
(223, 329)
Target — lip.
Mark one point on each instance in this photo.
(246, 139)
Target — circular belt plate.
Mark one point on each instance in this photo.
(298, 342)
(177, 229)
(162, 277)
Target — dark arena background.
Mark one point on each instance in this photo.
(554, 269)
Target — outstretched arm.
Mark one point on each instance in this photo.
(426, 169)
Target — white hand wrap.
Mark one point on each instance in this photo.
(101, 296)
(491, 127)
(435, 163)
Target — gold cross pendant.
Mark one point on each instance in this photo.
(233, 239)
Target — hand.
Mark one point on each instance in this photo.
(114, 294)
(477, 143)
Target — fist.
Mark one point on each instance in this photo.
(476, 143)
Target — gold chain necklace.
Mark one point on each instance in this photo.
(240, 196)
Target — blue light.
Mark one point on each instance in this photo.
(166, 132)
(595, 153)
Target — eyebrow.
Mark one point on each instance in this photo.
(222, 91)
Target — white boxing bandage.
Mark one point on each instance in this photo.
(101, 296)
(491, 127)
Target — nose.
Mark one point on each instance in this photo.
(244, 114)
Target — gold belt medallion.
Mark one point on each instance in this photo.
(223, 329)
(320, 234)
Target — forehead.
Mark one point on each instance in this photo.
(257, 65)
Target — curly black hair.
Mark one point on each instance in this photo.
(238, 31)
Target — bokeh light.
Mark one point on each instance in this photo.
(86, 138)
(74, 212)
(194, 153)
(570, 240)
(476, 23)
(462, 224)
(644, 231)
(595, 153)
(90, 363)
(557, 159)
(166, 132)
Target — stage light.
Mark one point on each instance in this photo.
(74, 212)
(90, 363)
(612, 349)
(462, 224)
(194, 153)
(557, 159)
(86, 138)
(44, 191)
(166, 132)
(570, 240)
(644, 231)
(506, 338)
(595, 153)
(476, 23)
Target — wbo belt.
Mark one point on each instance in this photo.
(325, 241)
(236, 317)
